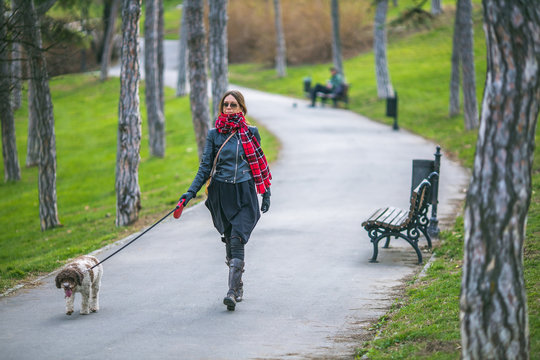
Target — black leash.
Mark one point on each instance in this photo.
(145, 231)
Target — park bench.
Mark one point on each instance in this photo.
(405, 224)
(342, 96)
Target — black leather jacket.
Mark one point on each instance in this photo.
(231, 167)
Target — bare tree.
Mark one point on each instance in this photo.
(32, 143)
(454, 105)
(198, 95)
(281, 51)
(384, 85)
(217, 17)
(336, 43)
(436, 7)
(463, 54)
(16, 73)
(12, 170)
(128, 193)
(494, 323)
(161, 61)
(108, 40)
(43, 107)
(154, 113)
(466, 51)
(181, 89)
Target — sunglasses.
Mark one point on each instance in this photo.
(232, 105)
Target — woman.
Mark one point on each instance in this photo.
(241, 171)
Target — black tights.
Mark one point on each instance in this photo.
(234, 248)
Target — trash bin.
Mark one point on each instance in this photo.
(392, 109)
(307, 85)
(391, 106)
(421, 170)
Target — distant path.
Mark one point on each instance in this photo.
(309, 288)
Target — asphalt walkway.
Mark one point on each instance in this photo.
(310, 291)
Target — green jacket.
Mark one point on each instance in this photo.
(337, 83)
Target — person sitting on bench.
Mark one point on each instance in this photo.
(334, 86)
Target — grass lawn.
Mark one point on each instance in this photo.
(86, 118)
(424, 322)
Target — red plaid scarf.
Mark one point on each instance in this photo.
(254, 154)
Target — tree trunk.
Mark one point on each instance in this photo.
(454, 106)
(108, 40)
(16, 72)
(217, 17)
(32, 145)
(336, 43)
(281, 51)
(181, 89)
(161, 62)
(197, 74)
(43, 107)
(466, 51)
(436, 7)
(156, 121)
(12, 170)
(494, 323)
(384, 86)
(128, 193)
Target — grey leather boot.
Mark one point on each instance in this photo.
(240, 291)
(236, 267)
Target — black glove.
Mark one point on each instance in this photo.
(265, 202)
(187, 196)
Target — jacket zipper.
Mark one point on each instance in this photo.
(236, 160)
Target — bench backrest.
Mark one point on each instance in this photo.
(419, 199)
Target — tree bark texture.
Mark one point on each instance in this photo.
(161, 61)
(197, 71)
(12, 170)
(128, 193)
(32, 144)
(181, 88)
(16, 71)
(454, 105)
(466, 51)
(494, 323)
(281, 50)
(108, 40)
(154, 114)
(43, 108)
(384, 86)
(336, 43)
(218, 51)
(436, 7)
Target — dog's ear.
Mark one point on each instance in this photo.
(79, 277)
(58, 281)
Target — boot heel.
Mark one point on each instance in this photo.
(230, 302)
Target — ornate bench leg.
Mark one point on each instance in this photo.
(414, 244)
(375, 241)
(387, 243)
(428, 238)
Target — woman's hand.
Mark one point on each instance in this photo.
(186, 197)
(265, 202)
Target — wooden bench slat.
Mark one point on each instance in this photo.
(374, 216)
(387, 215)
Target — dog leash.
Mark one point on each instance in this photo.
(177, 212)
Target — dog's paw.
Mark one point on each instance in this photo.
(69, 312)
(84, 312)
(94, 309)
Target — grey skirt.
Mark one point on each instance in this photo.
(234, 208)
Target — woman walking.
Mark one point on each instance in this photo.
(238, 171)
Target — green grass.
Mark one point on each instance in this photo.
(424, 323)
(86, 118)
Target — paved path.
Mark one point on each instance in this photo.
(309, 288)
